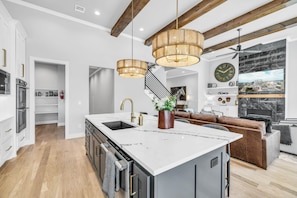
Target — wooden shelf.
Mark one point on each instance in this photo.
(43, 105)
(261, 96)
(47, 97)
(228, 90)
(46, 112)
(230, 87)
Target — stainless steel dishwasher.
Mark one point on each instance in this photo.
(124, 173)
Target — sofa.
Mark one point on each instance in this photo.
(257, 146)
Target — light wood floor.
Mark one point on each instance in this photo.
(56, 168)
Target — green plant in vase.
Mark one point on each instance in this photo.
(165, 106)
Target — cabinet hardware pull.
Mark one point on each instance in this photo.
(8, 130)
(4, 57)
(22, 138)
(104, 148)
(131, 185)
(8, 149)
(23, 70)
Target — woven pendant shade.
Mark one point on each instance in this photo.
(178, 47)
(131, 68)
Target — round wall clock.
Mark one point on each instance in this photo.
(224, 72)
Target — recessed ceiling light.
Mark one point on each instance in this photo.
(183, 72)
(141, 29)
(97, 12)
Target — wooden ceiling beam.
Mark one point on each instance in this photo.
(126, 17)
(249, 16)
(192, 14)
(259, 33)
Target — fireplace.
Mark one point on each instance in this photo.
(260, 112)
(269, 107)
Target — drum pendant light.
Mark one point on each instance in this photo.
(178, 47)
(131, 68)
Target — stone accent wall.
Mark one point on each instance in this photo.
(272, 56)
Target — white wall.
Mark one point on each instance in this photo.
(160, 73)
(46, 76)
(102, 92)
(202, 68)
(54, 38)
(291, 80)
(190, 81)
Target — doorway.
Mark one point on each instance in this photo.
(101, 90)
(49, 82)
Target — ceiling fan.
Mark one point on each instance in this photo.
(238, 49)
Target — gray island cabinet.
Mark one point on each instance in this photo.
(185, 161)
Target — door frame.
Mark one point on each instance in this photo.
(33, 61)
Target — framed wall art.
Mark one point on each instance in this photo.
(179, 92)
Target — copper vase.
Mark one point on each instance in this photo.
(166, 119)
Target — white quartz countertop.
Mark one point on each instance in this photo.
(158, 150)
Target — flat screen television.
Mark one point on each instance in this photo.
(268, 81)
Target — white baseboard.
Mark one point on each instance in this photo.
(61, 124)
(76, 135)
(47, 122)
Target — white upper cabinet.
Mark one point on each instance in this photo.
(20, 52)
(4, 45)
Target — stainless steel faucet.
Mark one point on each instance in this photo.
(132, 112)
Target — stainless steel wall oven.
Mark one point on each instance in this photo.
(21, 102)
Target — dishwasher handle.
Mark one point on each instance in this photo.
(120, 165)
(104, 146)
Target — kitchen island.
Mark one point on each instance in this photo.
(184, 161)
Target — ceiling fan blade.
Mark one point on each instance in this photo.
(232, 48)
(251, 51)
(225, 54)
(235, 56)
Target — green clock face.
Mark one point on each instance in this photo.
(224, 72)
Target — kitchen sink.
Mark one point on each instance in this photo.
(116, 125)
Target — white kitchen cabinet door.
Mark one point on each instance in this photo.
(20, 55)
(6, 140)
(4, 45)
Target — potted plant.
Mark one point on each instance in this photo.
(165, 107)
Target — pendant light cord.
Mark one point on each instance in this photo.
(132, 28)
(176, 25)
(239, 35)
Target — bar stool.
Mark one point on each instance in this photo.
(227, 157)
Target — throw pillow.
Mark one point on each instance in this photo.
(268, 122)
